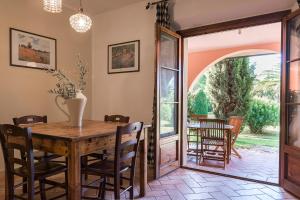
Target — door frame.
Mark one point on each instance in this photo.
(157, 139)
(226, 26)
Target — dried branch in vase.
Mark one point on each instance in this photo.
(65, 87)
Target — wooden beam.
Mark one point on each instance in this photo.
(235, 24)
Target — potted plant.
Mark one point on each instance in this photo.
(71, 93)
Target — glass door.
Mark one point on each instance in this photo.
(168, 101)
(290, 105)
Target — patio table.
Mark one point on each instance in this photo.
(227, 128)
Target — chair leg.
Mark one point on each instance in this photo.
(30, 191)
(131, 193)
(24, 185)
(103, 188)
(66, 183)
(42, 189)
(236, 153)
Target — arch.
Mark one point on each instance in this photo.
(200, 62)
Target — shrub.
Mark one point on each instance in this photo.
(262, 113)
(199, 105)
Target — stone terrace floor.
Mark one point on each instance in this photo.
(254, 164)
(185, 184)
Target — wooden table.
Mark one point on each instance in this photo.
(64, 140)
(227, 128)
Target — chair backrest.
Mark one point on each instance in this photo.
(212, 128)
(16, 140)
(116, 118)
(29, 119)
(236, 122)
(126, 147)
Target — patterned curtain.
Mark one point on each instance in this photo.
(162, 14)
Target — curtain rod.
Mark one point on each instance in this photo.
(149, 4)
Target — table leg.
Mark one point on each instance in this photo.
(74, 173)
(228, 146)
(6, 187)
(143, 164)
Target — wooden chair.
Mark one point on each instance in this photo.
(19, 140)
(104, 154)
(34, 119)
(236, 122)
(193, 138)
(213, 135)
(122, 165)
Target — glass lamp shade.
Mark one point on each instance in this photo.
(80, 22)
(53, 6)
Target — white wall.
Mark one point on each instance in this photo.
(125, 93)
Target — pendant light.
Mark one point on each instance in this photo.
(53, 6)
(80, 22)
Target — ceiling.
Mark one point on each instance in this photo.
(247, 36)
(94, 7)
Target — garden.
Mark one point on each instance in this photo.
(242, 86)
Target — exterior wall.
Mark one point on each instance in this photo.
(198, 61)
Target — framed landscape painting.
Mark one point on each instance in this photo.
(124, 57)
(32, 50)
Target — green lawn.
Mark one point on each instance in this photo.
(270, 138)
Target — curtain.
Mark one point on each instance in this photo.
(162, 14)
(162, 19)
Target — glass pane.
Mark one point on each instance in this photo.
(294, 38)
(294, 125)
(168, 119)
(168, 87)
(168, 51)
(294, 82)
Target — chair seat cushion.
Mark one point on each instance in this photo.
(105, 167)
(42, 169)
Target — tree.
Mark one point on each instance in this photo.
(199, 105)
(229, 86)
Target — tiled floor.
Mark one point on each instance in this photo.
(253, 165)
(185, 184)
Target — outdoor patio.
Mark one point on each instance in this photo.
(257, 164)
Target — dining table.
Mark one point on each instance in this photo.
(74, 142)
(228, 131)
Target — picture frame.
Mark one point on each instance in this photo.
(124, 57)
(32, 50)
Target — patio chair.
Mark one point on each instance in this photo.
(193, 138)
(213, 135)
(236, 122)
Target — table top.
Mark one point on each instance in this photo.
(197, 125)
(63, 130)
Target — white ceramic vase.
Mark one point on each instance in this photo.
(75, 108)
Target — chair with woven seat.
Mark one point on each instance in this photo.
(213, 138)
(236, 122)
(103, 155)
(34, 119)
(17, 150)
(122, 166)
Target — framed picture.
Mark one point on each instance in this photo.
(124, 57)
(32, 50)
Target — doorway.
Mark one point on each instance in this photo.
(251, 92)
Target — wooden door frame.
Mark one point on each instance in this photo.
(226, 26)
(157, 138)
(283, 129)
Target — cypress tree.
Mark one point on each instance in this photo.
(229, 86)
